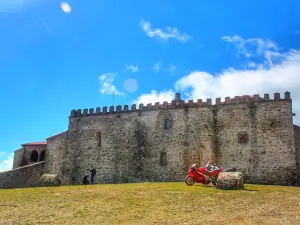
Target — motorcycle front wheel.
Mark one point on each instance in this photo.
(214, 184)
(189, 181)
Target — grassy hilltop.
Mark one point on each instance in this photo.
(150, 203)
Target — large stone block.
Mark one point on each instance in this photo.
(230, 181)
(49, 180)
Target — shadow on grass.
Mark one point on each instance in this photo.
(245, 189)
(205, 186)
(208, 186)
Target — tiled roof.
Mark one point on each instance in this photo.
(36, 143)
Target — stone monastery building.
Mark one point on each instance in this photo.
(160, 142)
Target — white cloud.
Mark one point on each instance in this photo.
(155, 97)
(278, 76)
(132, 68)
(252, 65)
(255, 47)
(157, 66)
(243, 44)
(6, 164)
(168, 33)
(106, 84)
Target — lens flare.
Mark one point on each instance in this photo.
(131, 85)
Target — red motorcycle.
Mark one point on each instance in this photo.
(204, 176)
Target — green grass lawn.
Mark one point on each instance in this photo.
(150, 203)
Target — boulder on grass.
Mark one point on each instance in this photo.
(230, 181)
(49, 180)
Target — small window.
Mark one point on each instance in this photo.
(243, 137)
(164, 120)
(163, 159)
(98, 136)
(167, 123)
(34, 157)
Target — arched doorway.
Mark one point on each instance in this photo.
(34, 157)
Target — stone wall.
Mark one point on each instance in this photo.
(136, 147)
(18, 158)
(160, 142)
(255, 134)
(297, 144)
(55, 153)
(259, 139)
(27, 176)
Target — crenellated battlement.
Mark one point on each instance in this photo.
(178, 103)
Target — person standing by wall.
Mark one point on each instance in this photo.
(93, 173)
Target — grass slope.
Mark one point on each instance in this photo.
(150, 203)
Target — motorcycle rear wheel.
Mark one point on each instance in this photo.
(190, 181)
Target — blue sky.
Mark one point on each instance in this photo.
(53, 61)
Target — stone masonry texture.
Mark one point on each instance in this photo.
(297, 145)
(55, 154)
(18, 157)
(27, 176)
(160, 142)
